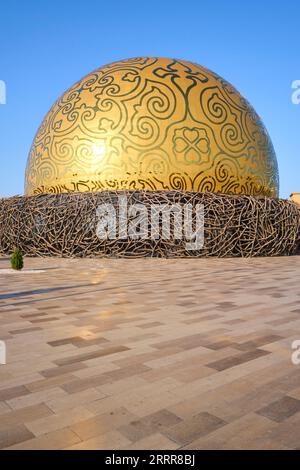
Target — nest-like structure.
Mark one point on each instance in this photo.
(65, 225)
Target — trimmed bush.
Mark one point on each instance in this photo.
(16, 259)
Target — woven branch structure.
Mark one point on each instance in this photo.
(65, 225)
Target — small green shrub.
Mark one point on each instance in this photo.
(16, 259)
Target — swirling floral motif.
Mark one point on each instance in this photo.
(152, 123)
(191, 145)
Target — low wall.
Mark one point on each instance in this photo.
(65, 225)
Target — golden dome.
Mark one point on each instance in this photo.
(152, 123)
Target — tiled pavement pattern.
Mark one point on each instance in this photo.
(151, 354)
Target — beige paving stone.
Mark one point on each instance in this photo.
(287, 433)
(56, 440)
(36, 397)
(295, 393)
(143, 406)
(95, 370)
(122, 386)
(13, 392)
(57, 404)
(150, 353)
(49, 383)
(4, 408)
(104, 405)
(188, 430)
(5, 375)
(281, 409)
(24, 415)
(214, 381)
(110, 440)
(58, 421)
(101, 424)
(154, 442)
(14, 434)
(250, 430)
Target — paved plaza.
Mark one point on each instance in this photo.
(150, 354)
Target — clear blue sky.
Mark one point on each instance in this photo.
(45, 46)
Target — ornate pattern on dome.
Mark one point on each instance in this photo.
(152, 123)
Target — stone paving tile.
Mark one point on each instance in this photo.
(13, 435)
(24, 415)
(13, 392)
(22, 331)
(150, 354)
(56, 440)
(250, 431)
(281, 409)
(58, 420)
(190, 429)
(233, 361)
(36, 398)
(104, 441)
(146, 426)
(102, 423)
(154, 442)
(49, 383)
(91, 355)
(62, 370)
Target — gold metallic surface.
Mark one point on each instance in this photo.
(152, 123)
